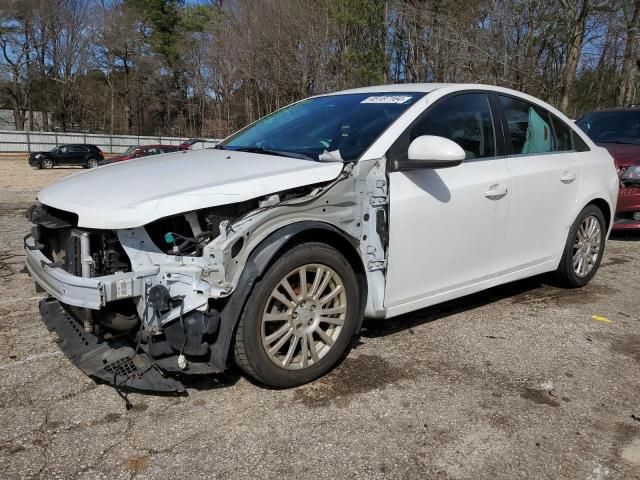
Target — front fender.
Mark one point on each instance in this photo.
(257, 262)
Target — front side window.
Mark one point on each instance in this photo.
(333, 127)
(529, 127)
(466, 119)
(621, 126)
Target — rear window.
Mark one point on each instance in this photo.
(530, 129)
(562, 134)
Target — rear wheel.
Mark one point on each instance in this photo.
(584, 248)
(92, 163)
(46, 163)
(300, 317)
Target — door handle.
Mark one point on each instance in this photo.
(496, 192)
(567, 177)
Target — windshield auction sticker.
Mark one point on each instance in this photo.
(386, 99)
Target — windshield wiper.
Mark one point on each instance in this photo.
(266, 151)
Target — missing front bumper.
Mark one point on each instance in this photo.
(113, 362)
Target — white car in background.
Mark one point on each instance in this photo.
(272, 248)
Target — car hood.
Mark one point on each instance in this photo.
(133, 193)
(623, 154)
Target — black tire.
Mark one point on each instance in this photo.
(46, 163)
(92, 163)
(249, 352)
(566, 274)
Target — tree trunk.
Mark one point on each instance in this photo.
(631, 58)
(574, 47)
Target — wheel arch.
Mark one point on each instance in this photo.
(605, 208)
(263, 256)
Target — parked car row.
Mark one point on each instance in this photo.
(90, 156)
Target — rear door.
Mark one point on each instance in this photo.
(447, 226)
(546, 174)
(78, 154)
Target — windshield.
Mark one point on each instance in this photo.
(621, 126)
(344, 125)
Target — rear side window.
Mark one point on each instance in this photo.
(578, 143)
(562, 134)
(78, 149)
(466, 119)
(529, 127)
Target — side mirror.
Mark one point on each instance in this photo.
(430, 151)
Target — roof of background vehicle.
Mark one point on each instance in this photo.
(78, 145)
(157, 145)
(614, 109)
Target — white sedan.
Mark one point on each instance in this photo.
(270, 249)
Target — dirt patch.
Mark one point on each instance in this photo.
(627, 345)
(6, 259)
(548, 295)
(539, 396)
(108, 418)
(137, 463)
(355, 376)
(611, 261)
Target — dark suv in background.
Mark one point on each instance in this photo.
(83, 155)
(618, 130)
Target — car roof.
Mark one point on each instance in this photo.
(449, 87)
(398, 87)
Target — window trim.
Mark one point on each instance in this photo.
(498, 135)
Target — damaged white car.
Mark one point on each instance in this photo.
(271, 249)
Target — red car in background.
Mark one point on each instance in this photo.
(618, 130)
(142, 151)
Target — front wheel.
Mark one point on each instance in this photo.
(300, 317)
(47, 163)
(584, 248)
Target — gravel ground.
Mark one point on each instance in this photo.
(516, 382)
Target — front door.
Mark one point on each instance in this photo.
(447, 226)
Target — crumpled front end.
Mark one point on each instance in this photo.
(126, 311)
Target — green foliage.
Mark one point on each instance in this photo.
(163, 25)
(361, 25)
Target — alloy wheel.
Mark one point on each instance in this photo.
(304, 316)
(587, 246)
